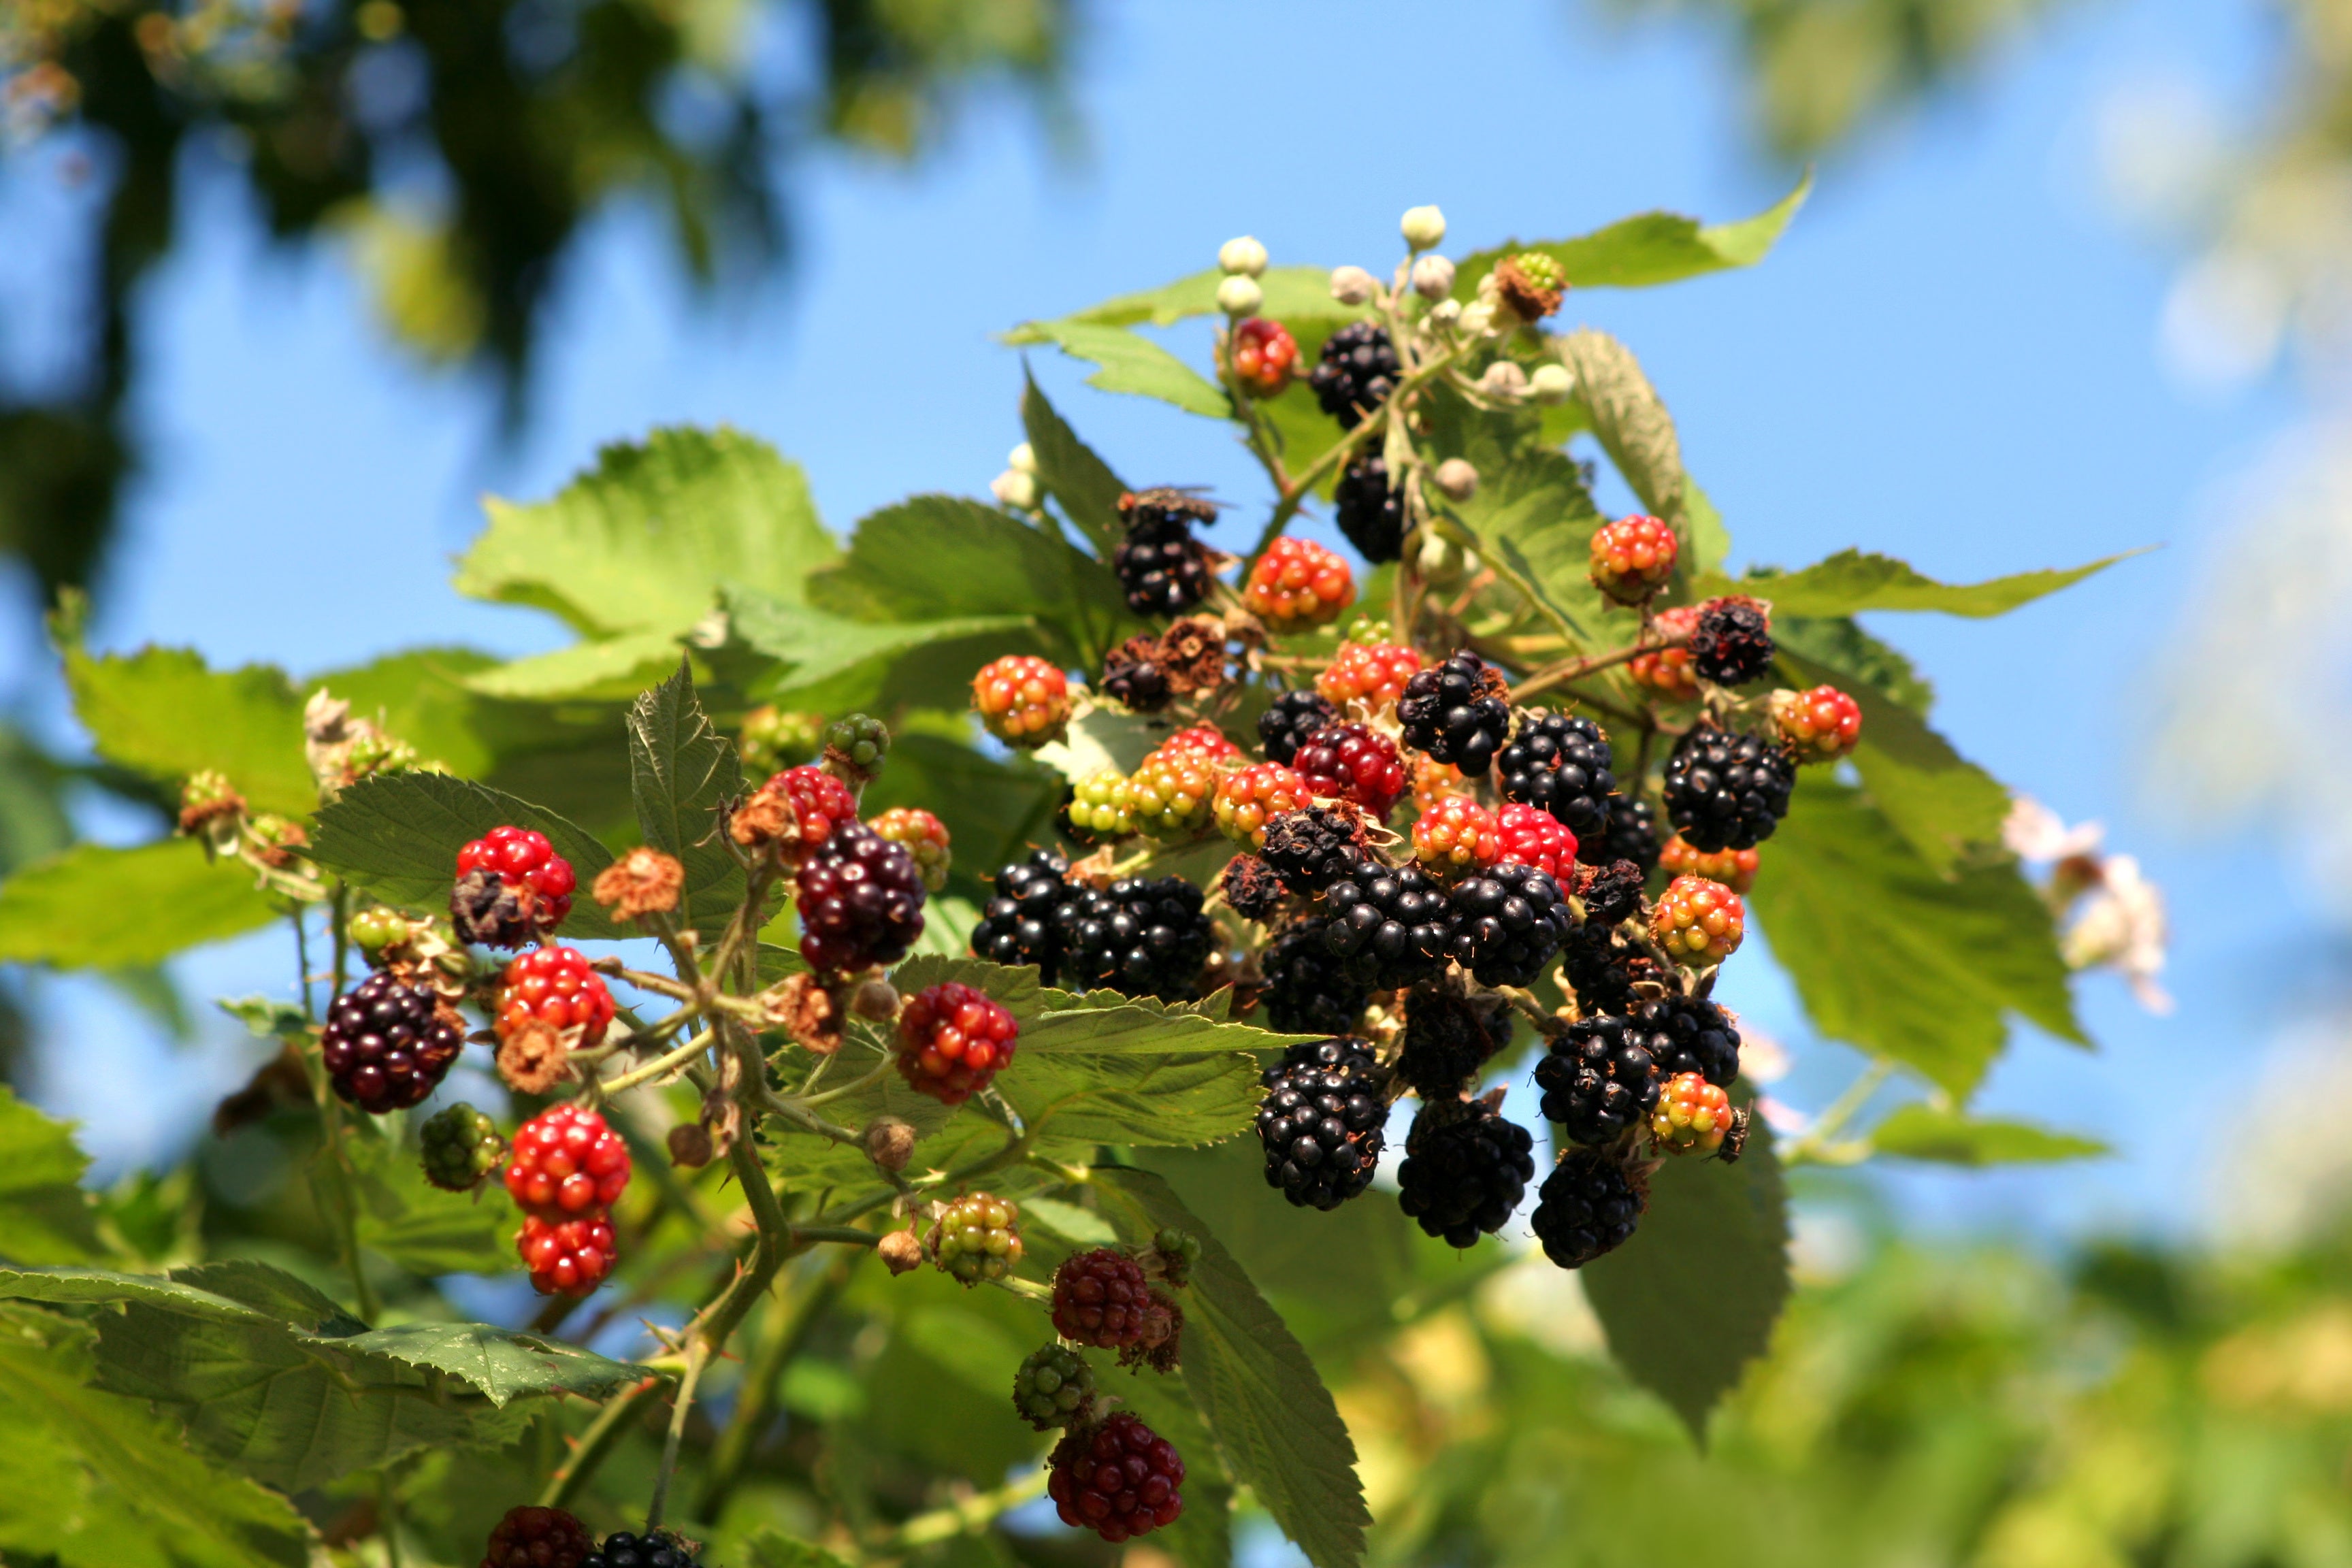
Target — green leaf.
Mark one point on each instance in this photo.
(681, 771)
(398, 837)
(1891, 956)
(1651, 248)
(608, 668)
(816, 648)
(1707, 541)
(1851, 582)
(1103, 738)
(1856, 656)
(1132, 363)
(1630, 420)
(1691, 1299)
(500, 1364)
(416, 1225)
(97, 908)
(1918, 1131)
(1080, 481)
(1146, 1098)
(771, 1548)
(45, 1216)
(1290, 292)
(1275, 1423)
(637, 542)
(1531, 512)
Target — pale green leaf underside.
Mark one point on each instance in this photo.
(98, 907)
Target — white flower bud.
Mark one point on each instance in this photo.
(1551, 383)
(1240, 295)
(1424, 228)
(1504, 379)
(1446, 313)
(1021, 459)
(1015, 490)
(1479, 319)
(1433, 277)
(1458, 479)
(1243, 256)
(1353, 285)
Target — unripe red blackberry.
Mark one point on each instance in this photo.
(1162, 568)
(1251, 889)
(1311, 990)
(1117, 1477)
(1456, 836)
(1321, 1123)
(1355, 374)
(794, 813)
(922, 836)
(1055, 1387)
(1140, 936)
(1820, 726)
(975, 1239)
(1590, 1206)
(1374, 674)
(1726, 790)
(388, 1043)
(1264, 355)
(1698, 922)
(1448, 1036)
(1312, 848)
(1632, 835)
(1206, 739)
(953, 1040)
(1734, 868)
(1465, 1169)
(538, 1537)
(1732, 644)
(512, 888)
(553, 986)
(1392, 925)
(1507, 923)
(1531, 836)
(1022, 700)
(860, 898)
(1458, 712)
(1371, 514)
(1101, 1298)
(1297, 583)
(1172, 793)
(1021, 924)
(461, 1146)
(1667, 671)
(1692, 1116)
(1353, 762)
(1289, 721)
(567, 1256)
(567, 1164)
(1633, 558)
(1597, 1079)
(1560, 762)
(1251, 797)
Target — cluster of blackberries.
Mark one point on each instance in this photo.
(1726, 790)
(1355, 374)
(1560, 762)
(1321, 1120)
(1162, 568)
(1144, 937)
(1458, 711)
(1371, 514)
(1290, 721)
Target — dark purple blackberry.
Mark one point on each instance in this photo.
(1162, 577)
(1684, 1033)
(1601, 967)
(1457, 711)
(1140, 937)
(1726, 790)
(388, 1043)
(1508, 922)
(1321, 1120)
(1356, 373)
(1610, 893)
(1733, 643)
(1371, 514)
(1289, 721)
(1021, 923)
(1308, 989)
(1560, 763)
(1133, 675)
(1465, 1169)
(1589, 1205)
(1392, 925)
(659, 1548)
(860, 899)
(1447, 1038)
(1632, 835)
(1312, 848)
(1251, 889)
(1597, 1079)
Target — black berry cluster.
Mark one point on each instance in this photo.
(1141, 937)
(1508, 922)
(1355, 374)
(1560, 762)
(1598, 1081)
(1311, 848)
(860, 898)
(1610, 893)
(1309, 990)
(1448, 1035)
(388, 1043)
(1602, 967)
(1733, 643)
(660, 1548)
(1251, 889)
(1022, 924)
(1632, 835)
(1289, 721)
(1162, 568)
(1321, 1122)
(1370, 513)
(1133, 675)
(1392, 924)
(1457, 712)
(1726, 790)
(1687, 1033)
(1589, 1206)
(1465, 1168)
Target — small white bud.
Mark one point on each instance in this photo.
(1240, 295)
(1015, 490)
(1478, 318)
(1021, 459)
(1551, 383)
(1440, 562)
(1446, 313)
(1353, 285)
(1244, 256)
(1424, 228)
(1458, 479)
(1433, 277)
(1504, 379)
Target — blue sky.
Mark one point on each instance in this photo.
(1952, 358)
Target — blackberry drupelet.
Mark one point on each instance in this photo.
(1021, 923)
(388, 1043)
(657, 1549)
(1321, 1120)
(1251, 889)
(1133, 675)
(1589, 1205)
(1727, 790)
(1309, 990)
(1686, 1034)
(1163, 569)
(1597, 1079)
(860, 898)
(1311, 848)
(1508, 922)
(1448, 1036)
(1733, 643)
(1142, 937)
(1458, 712)
(1632, 835)
(1371, 514)
(1354, 762)
(1355, 374)
(1392, 925)
(1561, 761)
(1465, 1169)
(1289, 721)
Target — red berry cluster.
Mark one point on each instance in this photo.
(553, 986)
(1253, 796)
(1530, 835)
(1456, 834)
(1633, 558)
(538, 1537)
(1203, 739)
(1734, 868)
(1118, 1478)
(569, 1169)
(1264, 354)
(1353, 762)
(1820, 725)
(1667, 671)
(1371, 673)
(1022, 700)
(512, 888)
(1299, 584)
(1101, 1298)
(953, 1040)
(820, 802)
(1697, 921)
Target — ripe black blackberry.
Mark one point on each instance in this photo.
(1163, 569)
(1312, 848)
(1610, 893)
(1727, 790)
(1508, 922)
(1133, 675)
(1589, 1205)
(1141, 937)
(1021, 923)
(1308, 988)
(1686, 1034)
(1597, 1079)
(1289, 719)
(1392, 924)
(1632, 835)
(1356, 373)
(1448, 1036)
(1251, 889)
(388, 1043)
(1603, 968)
(1733, 643)
(1465, 1169)
(1320, 1121)
(1560, 762)
(860, 901)
(659, 1548)
(1457, 711)
(1371, 514)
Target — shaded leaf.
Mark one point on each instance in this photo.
(1630, 420)
(1851, 582)
(681, 771)
(771, 1548)
(500, 1364)
(1650, 248)
(1918, 1131)
(75, 910)
(416, 1225)
(1081, 482)
(45, 1216)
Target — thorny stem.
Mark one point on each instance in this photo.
(302, 964)
(594, 1443)
(697, 1353)
(1578, 669)
(658, 1067)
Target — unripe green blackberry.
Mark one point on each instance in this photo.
(1100, 807)
(771, 741)
(1180, 1254)
(461, 1147)
(1055, 1387)
(856, 745)
(374, 930)
(974, 1239)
